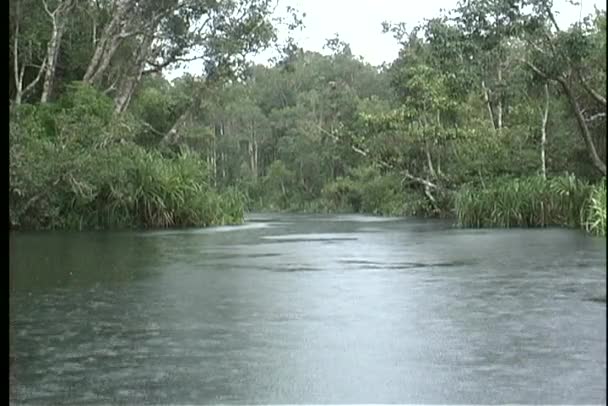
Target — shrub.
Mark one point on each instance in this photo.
(527, 202)
(88, 173)
(595, 213)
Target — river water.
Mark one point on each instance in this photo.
(308, 309)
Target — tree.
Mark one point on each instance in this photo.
(59, 16)
(26, 47)
(562, 57)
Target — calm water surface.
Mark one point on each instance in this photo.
(308, 309)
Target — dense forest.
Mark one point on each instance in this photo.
(492, 114)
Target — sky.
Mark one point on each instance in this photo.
(358, 23)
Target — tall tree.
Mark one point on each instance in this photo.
(26, 47)
(58, 16)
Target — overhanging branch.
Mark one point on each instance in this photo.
(596, 96)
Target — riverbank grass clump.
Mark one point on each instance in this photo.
(79, 168)
(117, 188)
(533, 202)
(595, 213)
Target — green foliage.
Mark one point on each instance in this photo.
(378, 194)
(595, 211)
(483, 156)
(523, 202)
(278, 185)
(366, 190)
(87, 174)
(453, 124)
(343, 194)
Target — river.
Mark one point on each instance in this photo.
(308, 309)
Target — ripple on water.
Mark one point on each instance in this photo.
(295, 238)
(410, 314)
(211, 230)
(404, 265)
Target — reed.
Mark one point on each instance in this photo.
(526, 202)
(595, 213)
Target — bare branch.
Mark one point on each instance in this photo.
(598, 97)
(157, 67)
(425, 182)
(16, 54)
(534, 68)
(151, 22)
(582, 124)
(33, 83)
(149, 127)
(20, 72)
(112, 86)
(48, 11)
(552, 18)
(595, 117)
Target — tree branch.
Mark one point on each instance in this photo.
(149, 127)
(595, 117)
(33, 83)
(151, 22)
(595, 157)
(552, 18)
(598, 97)
(157, 67)
(48, 11)
(535, 46)
(112, 86)
(427, 183)
(16, 53)
(534, 68)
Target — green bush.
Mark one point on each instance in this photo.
(525, 202)
(595, 213)
(278, 186)
(341, 195)
(87, 173)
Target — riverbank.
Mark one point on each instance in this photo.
(534, 202)
(116, 187)
(74, 165)
(78, 170)
(501, 203)
(168, 195)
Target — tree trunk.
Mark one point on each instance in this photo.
(543, 129)
(223, 159)
(106, 47)
(133, 76)
(250, 153)
(94, 32)
(429, 195)
(585, 133)
(253, 159)
(486, 99)
(214, 161)
(429, 160)
(122, 99)
(58, 21)
(126, 22)
(108, 52)
(172, 135)
(499, 106)
(52, 53)
(18, 96)
(17, 73)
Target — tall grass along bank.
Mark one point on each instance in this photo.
(534, 202)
